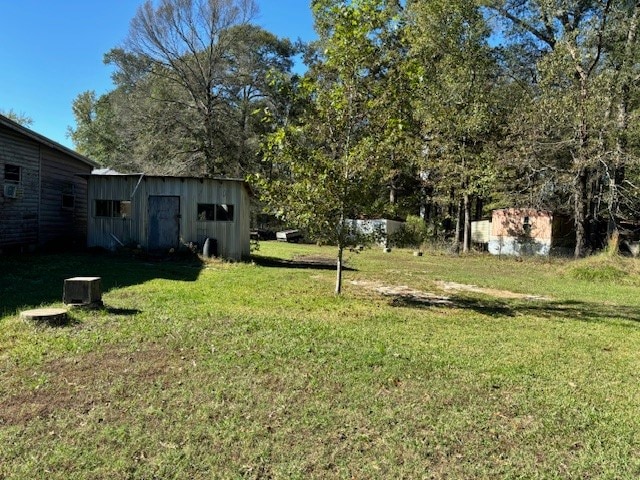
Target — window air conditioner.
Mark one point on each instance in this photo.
(10, 190)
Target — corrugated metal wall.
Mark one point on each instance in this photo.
(232, 237)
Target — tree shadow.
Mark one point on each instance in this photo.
(495, 307)
(312, 263)
(32, 280)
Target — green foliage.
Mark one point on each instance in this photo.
(413, 233)
(193, 93)
(605, 267)
(18, 117)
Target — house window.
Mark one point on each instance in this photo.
(211, 212)
(11, 173)
(526, 226)
(68, 201)
(113, 208)
(69, 197)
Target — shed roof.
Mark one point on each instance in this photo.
(111, 174)
(41, 139)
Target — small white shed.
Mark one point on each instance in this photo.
(377, 228)
(162, 212)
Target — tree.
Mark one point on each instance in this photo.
(327, 164)
(185, 43)
(18, 117)
(454, 92)
(567, 127)
(151, 123)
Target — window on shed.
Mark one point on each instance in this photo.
(11, 173)
(211, 212)
(224, 213)
(113, 208)
(206, 212)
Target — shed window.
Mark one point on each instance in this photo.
(113, 208)
(212, 212)
(206, 212)
(11, 173)
(224, 213)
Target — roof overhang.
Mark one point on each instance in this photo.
(41, 139)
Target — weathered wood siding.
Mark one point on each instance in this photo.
(59, 176)
(232, 237)
(19, 216)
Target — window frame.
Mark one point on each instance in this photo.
(19, 173)
(112, 208)
(211, 212)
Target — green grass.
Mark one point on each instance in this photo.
(256, 370)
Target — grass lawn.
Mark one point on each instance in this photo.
(256, 370)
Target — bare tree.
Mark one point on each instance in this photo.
(186, 42)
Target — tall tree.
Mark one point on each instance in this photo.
(569, 114)
(150, 122)
(185, 42)
(455, 78)
(18, 117)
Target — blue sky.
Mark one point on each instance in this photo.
(51, 50)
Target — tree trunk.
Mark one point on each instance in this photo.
(580, 213)
(458, 231)
(339, 271)
(466, 232)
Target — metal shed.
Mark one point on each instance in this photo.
(160, 213)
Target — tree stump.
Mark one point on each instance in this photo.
(49, 315)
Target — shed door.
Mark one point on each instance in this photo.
(164, 222)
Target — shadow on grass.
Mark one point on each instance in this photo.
(312, 263)
(569, 310)
(32, 280)
(124, 312)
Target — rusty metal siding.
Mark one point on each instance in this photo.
(232, 237)
(19, 216)
(59, 176)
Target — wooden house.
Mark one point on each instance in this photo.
(529, 231)
(43, 201)
(160, 213)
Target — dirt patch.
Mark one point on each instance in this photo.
(461, 287)
(404, 292)
(419, 296)
(80, 384)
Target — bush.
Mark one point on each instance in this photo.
(412, 234)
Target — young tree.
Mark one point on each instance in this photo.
(328, 164)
